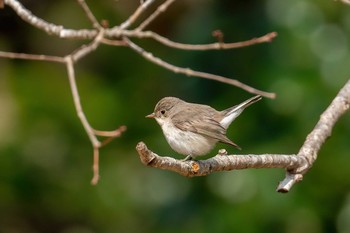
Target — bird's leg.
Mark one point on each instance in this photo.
(188, 157)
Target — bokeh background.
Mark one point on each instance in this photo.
(46, 157)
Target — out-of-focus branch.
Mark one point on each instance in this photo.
(143, 6)
(49, 28)
(213, 46)
(92, 133)
(150, 57)
(118, 36)
(34, 57)
(296, 165)
(89, 14)
(162, 8)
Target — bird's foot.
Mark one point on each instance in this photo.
(188, 157)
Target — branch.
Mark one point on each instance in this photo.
(220, 162)
(200, 47)
(89, 14)
(34, 57)
(49, 28)
(162, 8)
(118, 36)
(318, 136)
(136, 14)
(150, 57)
(296, 165)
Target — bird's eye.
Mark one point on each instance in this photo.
(162, 112)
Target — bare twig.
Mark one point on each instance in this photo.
(113, 42)
(150, 57)
(89, 14)
(162, 8)
(86, 49)
(296, 165)
(49, 28)
(214, 46)
(96, 167)
(144, 5)
(110, 134)
(31, 57)
(77, 104)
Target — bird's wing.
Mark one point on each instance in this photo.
(205, 125)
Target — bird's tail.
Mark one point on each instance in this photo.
(233, 112)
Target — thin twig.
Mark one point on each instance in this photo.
(89, 14)
(201, 47)
(32, 57)
(96, 167)
(214, 46)
(162, 8)
(150, 57)
(113, 133)
(86, 49)
(144, 5)
(113, 42)
(77, 104)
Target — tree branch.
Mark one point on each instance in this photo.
(34, 57)
(162, 8)
(318, 136)
(296, 165)
(89, 14)
(218, 163)
(118, 36)
(186, 71)
(136, 14)
(200, 47)
(49, 28)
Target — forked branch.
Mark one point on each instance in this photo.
(119, 35)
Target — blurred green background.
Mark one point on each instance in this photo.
(46, 157)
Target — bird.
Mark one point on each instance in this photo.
(194, 129)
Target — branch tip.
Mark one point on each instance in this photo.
(146, 156)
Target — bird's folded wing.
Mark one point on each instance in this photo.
(207, 127)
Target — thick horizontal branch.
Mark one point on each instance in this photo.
(220, 162)
(295, 165)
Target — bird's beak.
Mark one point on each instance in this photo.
(152, 115)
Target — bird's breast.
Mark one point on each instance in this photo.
(186, 142)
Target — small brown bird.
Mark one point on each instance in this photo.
(194, 129)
